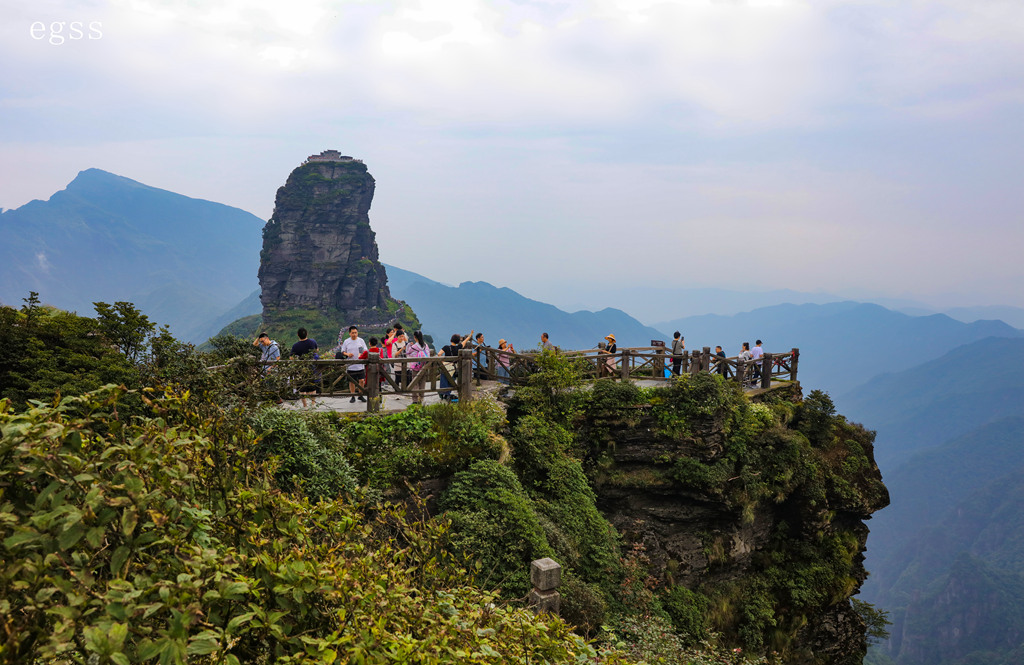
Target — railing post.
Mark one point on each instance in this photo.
(792, 365)
(659, 364)
(624, 369)
(694, 362)
(478, 370)
(741, 371)
(373, 382)
(465, 375)
(766, 370)
(705, 359)
(545, 575)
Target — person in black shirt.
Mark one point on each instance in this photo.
(303, 347)
(451, 350)
(678, 344)
(721, 367)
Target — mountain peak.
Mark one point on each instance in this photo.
(93, 180)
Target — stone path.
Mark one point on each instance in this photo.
(391, 402)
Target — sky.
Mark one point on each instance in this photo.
(868, 149)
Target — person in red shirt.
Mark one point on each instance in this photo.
(374, 348)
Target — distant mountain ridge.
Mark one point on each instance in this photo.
(951, 445)
(504, 313)
(181, 260)
(924, 406)
(842, 344)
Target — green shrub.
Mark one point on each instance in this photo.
(583, 605)
(815, 417)
(422, 441)
(494, 523)
(688, 611)
(162, 540)
(305, 458)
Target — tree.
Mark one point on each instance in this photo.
(125, 326)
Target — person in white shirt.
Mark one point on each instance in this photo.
(352, 348)
(756, 354)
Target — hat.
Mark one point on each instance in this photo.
(610, 336)
(500, 342)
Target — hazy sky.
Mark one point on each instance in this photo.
(863, 148)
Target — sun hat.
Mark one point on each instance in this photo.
(610, 336)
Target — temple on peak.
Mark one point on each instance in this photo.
(331, 156)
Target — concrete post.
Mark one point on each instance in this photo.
(545, 575)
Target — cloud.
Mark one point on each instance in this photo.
(852, 133)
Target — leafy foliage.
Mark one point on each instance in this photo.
(305, 458)
(494, 522)
(47, 352)
(163, 539)
(125, 326)
(422, 441)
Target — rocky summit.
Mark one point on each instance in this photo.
(319, 266)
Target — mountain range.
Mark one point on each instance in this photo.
(950, 441)
(842, 344)
(503, 313)
(183, 261)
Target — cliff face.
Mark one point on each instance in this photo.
(319, 251)
(770, 528)
(319, 267)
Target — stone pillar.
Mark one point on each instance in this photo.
(545, 575)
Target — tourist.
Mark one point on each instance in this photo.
(400, 341)
(545, 344)
(270, 351)
(610, 350)
(504, 360)
(744, 357)
(451, 350)
(480, 356)
(678, 344)
(306, 346)
(417, 377)
(755, 355)
(721, 365)
(351, 349)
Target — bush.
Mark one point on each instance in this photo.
(688, 611)
(583, 605)
(305, 458)
(493, 522)
(814, 418)
(422, 441)
(162, 540)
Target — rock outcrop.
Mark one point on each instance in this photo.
(319, 251)
(771, 530)
(319, 265)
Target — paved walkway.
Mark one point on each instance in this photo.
(393, 403)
